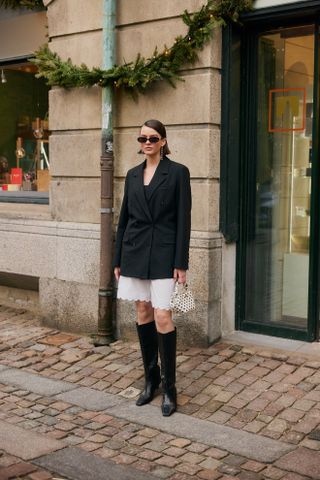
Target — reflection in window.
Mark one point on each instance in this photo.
(24, 130)
(279, 231)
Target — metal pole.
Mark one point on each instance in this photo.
(105, 330)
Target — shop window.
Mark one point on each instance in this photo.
(24, 134)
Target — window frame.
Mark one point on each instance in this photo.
(234, 152)
(34, 197)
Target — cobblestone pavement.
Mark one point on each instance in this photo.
(271, 394)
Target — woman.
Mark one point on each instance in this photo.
(152, 253)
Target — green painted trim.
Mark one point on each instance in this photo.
(314, 277)
(109, 57)
(230, 131)
(246, 152)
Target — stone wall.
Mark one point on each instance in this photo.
(67, 236)
(191, 113)
(75, 30)
(69, 294)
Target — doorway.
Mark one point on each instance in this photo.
(279, 241)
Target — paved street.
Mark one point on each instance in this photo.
(67, 411)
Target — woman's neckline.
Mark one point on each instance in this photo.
(147, 184)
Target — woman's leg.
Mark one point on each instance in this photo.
(148, 338)
(167, 339)
(163, 320)
(144, 312)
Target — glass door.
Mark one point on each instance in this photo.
(277, 218)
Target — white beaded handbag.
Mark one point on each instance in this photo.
(182, 300)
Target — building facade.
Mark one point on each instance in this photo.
(244, 121)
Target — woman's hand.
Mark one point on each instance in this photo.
(180, 276)
(116, 272)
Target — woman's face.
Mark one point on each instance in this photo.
(149, 148)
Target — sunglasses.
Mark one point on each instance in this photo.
(153, 139)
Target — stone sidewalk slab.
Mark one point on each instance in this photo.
(239, 408)
(302, 461)
(90, 399)
(26, 444)
(238, 442)
(79, 465)
(33, 382)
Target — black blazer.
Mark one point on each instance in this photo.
(153, 237)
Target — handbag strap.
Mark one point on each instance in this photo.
(181, 287)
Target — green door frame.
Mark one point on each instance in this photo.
(238, 134)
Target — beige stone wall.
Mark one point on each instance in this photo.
(69, 237)
(75, 31)
(60, 244)
(191, 113)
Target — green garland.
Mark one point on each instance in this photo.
(14, 4)
(137, 76)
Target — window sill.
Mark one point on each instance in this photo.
(40, 198)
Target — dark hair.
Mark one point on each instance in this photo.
(161, 129)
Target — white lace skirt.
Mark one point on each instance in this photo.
(158, 292)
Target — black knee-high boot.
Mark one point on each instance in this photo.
(167, 349)
(148, 338)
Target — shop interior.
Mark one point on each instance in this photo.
(278, 264)
(24, 130)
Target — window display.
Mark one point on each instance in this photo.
(24, 130)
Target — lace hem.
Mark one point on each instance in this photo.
(134, 299)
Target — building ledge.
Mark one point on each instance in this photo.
(259, 341)
(26, 211)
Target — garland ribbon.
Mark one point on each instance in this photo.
(138, 75)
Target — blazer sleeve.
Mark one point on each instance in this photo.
(183, 200)
(122, 224)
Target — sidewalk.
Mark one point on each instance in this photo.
(67, 411)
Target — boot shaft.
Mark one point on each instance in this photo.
(167, 349)
(148, 339)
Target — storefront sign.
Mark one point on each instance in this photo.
(287, 109)
(272, 3)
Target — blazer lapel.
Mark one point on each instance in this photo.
(140, 189)
(160, 176)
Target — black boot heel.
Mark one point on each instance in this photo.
(148, 393)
